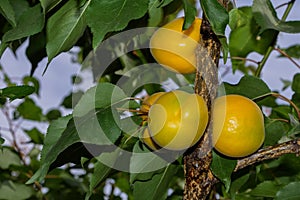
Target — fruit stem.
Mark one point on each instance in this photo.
(270, 49)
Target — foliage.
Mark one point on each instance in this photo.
(95, 152)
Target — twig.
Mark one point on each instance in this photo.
(245, 59)
(287, 56)
(284, 4)
(271, 152)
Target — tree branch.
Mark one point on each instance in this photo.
(271, 152)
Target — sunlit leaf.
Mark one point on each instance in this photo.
(248, 86)
(265, 15)
(65, 27)
(29, 23)
(107, 16)
(217, 16)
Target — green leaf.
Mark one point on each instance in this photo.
(293, 51)
(65, 27)
(17, 92)
(244, 37)
(296, 83)
(101, 96)
(8, 158)
(72, 99)
(248, 86)
(157, 187)
(51, 150)
(35, 135)
(144, 163)
(53, 114)
(265, 15)
(11, 191)
(94, 128)
(29, 110)
(8, 12)
(274, 131)
(29, 80)
(237, 183)
(101, 170)
(155, 13)
(290, 192)
(217, 16)
(266, 189)
(30, 22)
(223, 168)
(49, 4)
(190, 13)
(54, 132)
(36, 50)
(107, 16)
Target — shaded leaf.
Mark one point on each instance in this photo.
(8, 12)
(296, 83)
(17, 92)
(144, 163)
(157, 187)
(72, 99)
(11, 191)
(8, 158)
(265, 15)
(217, 16)
(101, 170)
(35, 135)
(290, 192)
(190, 13)
(29, 110)
(274, 131)
(29, 80)
(65, 27)
(108, 16)
(53, 114)
(266, 189)
(223, 168)
(29, 23)
(36, 50)
(49, 4)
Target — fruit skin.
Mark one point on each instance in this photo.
(146, 138)
(238, 126)
(177, 120)
(175, 48)
(145, 107)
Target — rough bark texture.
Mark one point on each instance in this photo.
(199, 178)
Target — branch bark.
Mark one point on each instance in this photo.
(271, 152)
(199, 179)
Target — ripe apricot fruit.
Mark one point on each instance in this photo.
(175, 48)
(238, 126)
(177, 120)
(146, 104)
(147, 139)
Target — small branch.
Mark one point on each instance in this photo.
(287, 56)
(244, 59)
(284, 4)
(268, 153)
